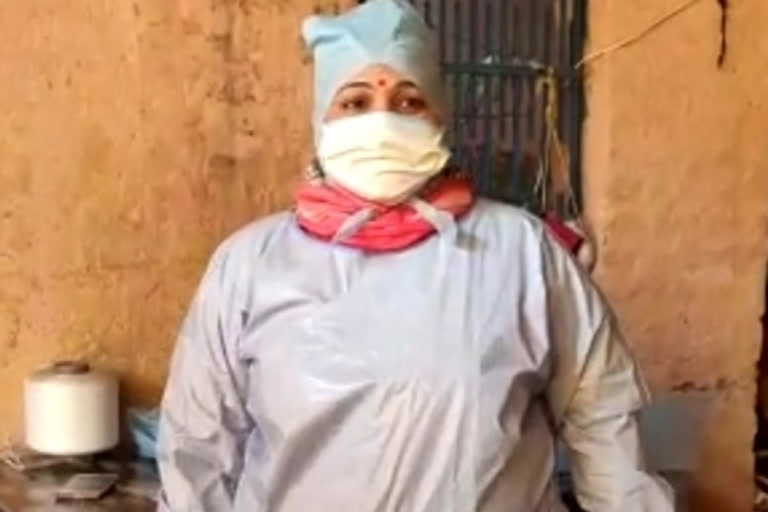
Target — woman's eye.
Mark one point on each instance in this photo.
(411, 105)
(354, 104)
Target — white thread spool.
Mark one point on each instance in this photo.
(71, 410)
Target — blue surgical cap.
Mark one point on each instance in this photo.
(389, 32)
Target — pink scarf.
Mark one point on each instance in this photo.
(570, 239)
(321, 209)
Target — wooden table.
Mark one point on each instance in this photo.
(35, 493)
(21, 494)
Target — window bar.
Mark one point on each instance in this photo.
(563, 59)
(458, 112)
(502, 50)
(565, 109)
(489, 135)
(532, 32)
(503, 20)
(517, 132)
(529, 107)
(578, 36)
(442, 32)
(472, 83)
(517, 99)
(517, 35)
(546, 56)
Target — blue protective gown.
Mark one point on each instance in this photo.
(312, 377)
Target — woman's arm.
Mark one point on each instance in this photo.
(204, 424)
(595, 394)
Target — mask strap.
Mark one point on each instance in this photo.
(445, 225)
(352, 224)
(444, 222)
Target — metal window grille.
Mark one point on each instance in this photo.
(509, 64)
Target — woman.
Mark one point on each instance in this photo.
(394, 344)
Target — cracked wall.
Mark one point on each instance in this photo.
(676, 186)
(134, 136)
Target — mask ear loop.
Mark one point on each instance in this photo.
(446, 226)
(339, 256)
(314, 174)
(352, 225)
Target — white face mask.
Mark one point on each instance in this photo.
(382, 156)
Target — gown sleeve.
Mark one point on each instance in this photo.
(204, 423)
(595, 394)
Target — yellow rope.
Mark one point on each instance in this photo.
(635, 38)
(553, 144)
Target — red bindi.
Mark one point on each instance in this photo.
(382, 82)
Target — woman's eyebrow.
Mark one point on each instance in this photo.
(355, 85)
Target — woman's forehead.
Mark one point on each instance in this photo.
(379, 75)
